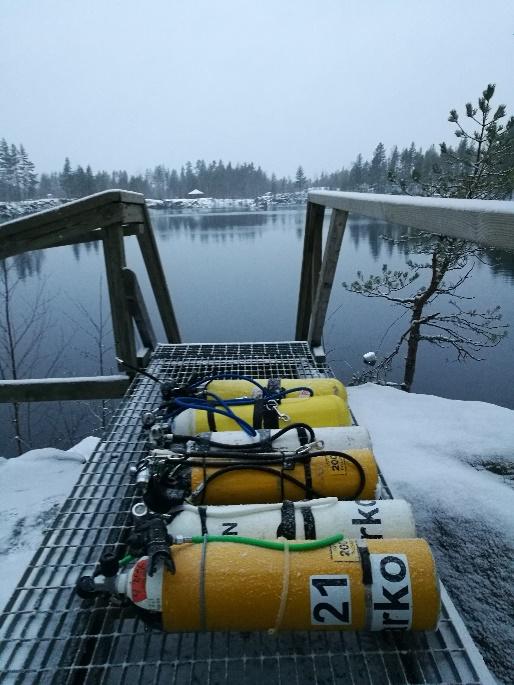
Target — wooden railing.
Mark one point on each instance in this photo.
(108, 216)
(486, 222)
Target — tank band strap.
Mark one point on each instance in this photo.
(303, 436)
(308, 478)
(367, 577)
(287, 526)
(264, 417)
(202, 598)
(202, 513)
(309, 524)
(211, 420)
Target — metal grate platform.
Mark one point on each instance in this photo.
(48, 635)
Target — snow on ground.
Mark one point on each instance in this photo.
(32, 488)
(444, 456)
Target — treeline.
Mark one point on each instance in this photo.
(410, 168)
(215, 179)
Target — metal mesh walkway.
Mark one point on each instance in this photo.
(48, 635)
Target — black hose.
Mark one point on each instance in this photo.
(288, 477)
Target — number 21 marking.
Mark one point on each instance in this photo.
(330, 600)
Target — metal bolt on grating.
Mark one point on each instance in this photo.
(47, 635)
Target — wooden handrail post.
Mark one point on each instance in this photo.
(157, 278)
(123, 328)
(311, 262)
(137, 309)
(326, 275)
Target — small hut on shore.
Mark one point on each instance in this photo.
(195, 194)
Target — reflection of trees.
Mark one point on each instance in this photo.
(221, 227)
(501, 263)
(28, 263)
(93, 246)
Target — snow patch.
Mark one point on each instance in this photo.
(435, 453)
(32, 489)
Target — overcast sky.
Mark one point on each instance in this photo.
(130, 84)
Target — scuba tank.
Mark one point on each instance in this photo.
(325, 410)
(329, 584)
(227, 389)
(306, 520)
(167, 478)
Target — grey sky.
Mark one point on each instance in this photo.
(129, 84)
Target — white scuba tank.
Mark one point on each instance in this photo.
(318, 518)
(341, 438)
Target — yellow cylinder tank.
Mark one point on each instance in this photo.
(325, 410)
(227, 389)
(327, 476)
(384, 584)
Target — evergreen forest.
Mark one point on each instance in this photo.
(409, 169)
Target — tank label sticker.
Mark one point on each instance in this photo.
(336, 464)
(391, 592)
(138, 581)
(345, 551)
(331, 603)
(368, 514)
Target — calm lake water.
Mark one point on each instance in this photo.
(235, 277)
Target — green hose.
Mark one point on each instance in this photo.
(270, 544)
(126, 560)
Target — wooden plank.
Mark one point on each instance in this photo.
(157, 278)
(61, 389)
(137, 308)
(69, 211)
(326, 276)
(123, 328)
(488, 222)
(313, 226)
(96, 235)
(44, 236)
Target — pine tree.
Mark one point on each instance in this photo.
(477, 169)
(300, 179)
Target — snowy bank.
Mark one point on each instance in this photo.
(32, 488)
(13, 210)
(444, 456)
(266, 201)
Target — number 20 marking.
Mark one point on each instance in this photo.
(335, 605)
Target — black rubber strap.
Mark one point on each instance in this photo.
(264, 417)
(303, 436)
(308, 478)
(287, 527)
(269, 418)
(258, 408)
(202, 513)
(367, 576)
(309, 524)
(211, 420)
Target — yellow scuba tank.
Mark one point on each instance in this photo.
(325, 410)
(228, 389)
(167, 478)
(323, 476)
(377, 585)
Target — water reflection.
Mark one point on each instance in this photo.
(235, 277)
(28, 264)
